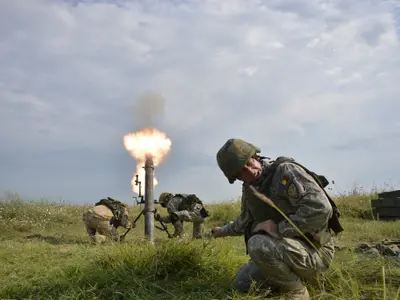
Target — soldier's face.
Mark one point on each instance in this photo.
(251, 171)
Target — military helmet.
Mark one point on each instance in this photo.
(233, 156)
(163, 197)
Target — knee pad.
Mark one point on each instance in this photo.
(260, 245)
(241, 285)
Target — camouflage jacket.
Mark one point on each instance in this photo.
(295, 192)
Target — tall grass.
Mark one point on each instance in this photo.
(45, 254)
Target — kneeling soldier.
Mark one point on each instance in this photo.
(181, 208)
(104, 218)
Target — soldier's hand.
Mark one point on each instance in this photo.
(216, 232)
(157, 217)
(269, 227)
(130, 225)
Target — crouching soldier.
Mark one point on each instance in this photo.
(103, 220)
(181, 208)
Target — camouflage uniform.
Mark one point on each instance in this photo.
(385, 248)
(100, 223)
(279, 263)
(181, 209)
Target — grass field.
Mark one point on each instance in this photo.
(45, 254)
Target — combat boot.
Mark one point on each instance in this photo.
(301, 294)
(99, 239)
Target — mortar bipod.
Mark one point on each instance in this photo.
(163, 228)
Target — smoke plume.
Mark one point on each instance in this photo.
(148, 110)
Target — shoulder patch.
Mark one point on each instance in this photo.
(288, 183)
(293, 191)
(284, 181)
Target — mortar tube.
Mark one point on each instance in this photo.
(149, 200)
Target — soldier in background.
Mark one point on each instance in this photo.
(280, 258)
(386, 247)
(103, 220)
(183, 208)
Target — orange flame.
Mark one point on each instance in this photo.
(146, 142)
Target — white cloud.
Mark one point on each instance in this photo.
(290, 76)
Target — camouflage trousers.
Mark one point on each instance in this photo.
(281, 264)
(198, 228)
(98, 228)
(189, 216)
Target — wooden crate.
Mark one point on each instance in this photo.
(387, 206)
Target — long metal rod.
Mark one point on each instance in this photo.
(149, 200)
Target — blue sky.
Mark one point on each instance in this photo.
(314, 80)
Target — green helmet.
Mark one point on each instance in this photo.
(164, 197)
(233, 156)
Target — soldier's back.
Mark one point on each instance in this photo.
(102, 211)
